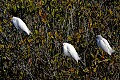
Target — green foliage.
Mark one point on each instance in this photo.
(52, 22)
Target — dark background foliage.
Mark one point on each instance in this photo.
(52, 22)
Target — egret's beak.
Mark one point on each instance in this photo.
(11, 19)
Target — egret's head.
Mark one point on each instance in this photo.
(12, 19)
(63, 44)
(99, 37)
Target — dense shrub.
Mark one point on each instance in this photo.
(52, 22)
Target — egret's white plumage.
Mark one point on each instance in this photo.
(70, 51)
(19, 24)
(103, 43)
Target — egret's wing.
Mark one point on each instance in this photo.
(107, 44)
(71, 49)
(103, 45)
(73, 52)
(23, 26)
(66, 52)
(14, 21)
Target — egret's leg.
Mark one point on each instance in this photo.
(21, 36)
(103, 55)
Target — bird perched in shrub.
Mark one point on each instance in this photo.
(19, 24)
(103, 44)
(70, 51)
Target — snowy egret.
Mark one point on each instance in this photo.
(19, 24)
(103, 43)
(70, 51)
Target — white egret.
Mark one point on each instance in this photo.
(70, 51)
(103, 43)
(19, 24)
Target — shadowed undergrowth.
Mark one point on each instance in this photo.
(40, 55)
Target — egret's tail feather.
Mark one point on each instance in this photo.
(112, 51)
(28, 32)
